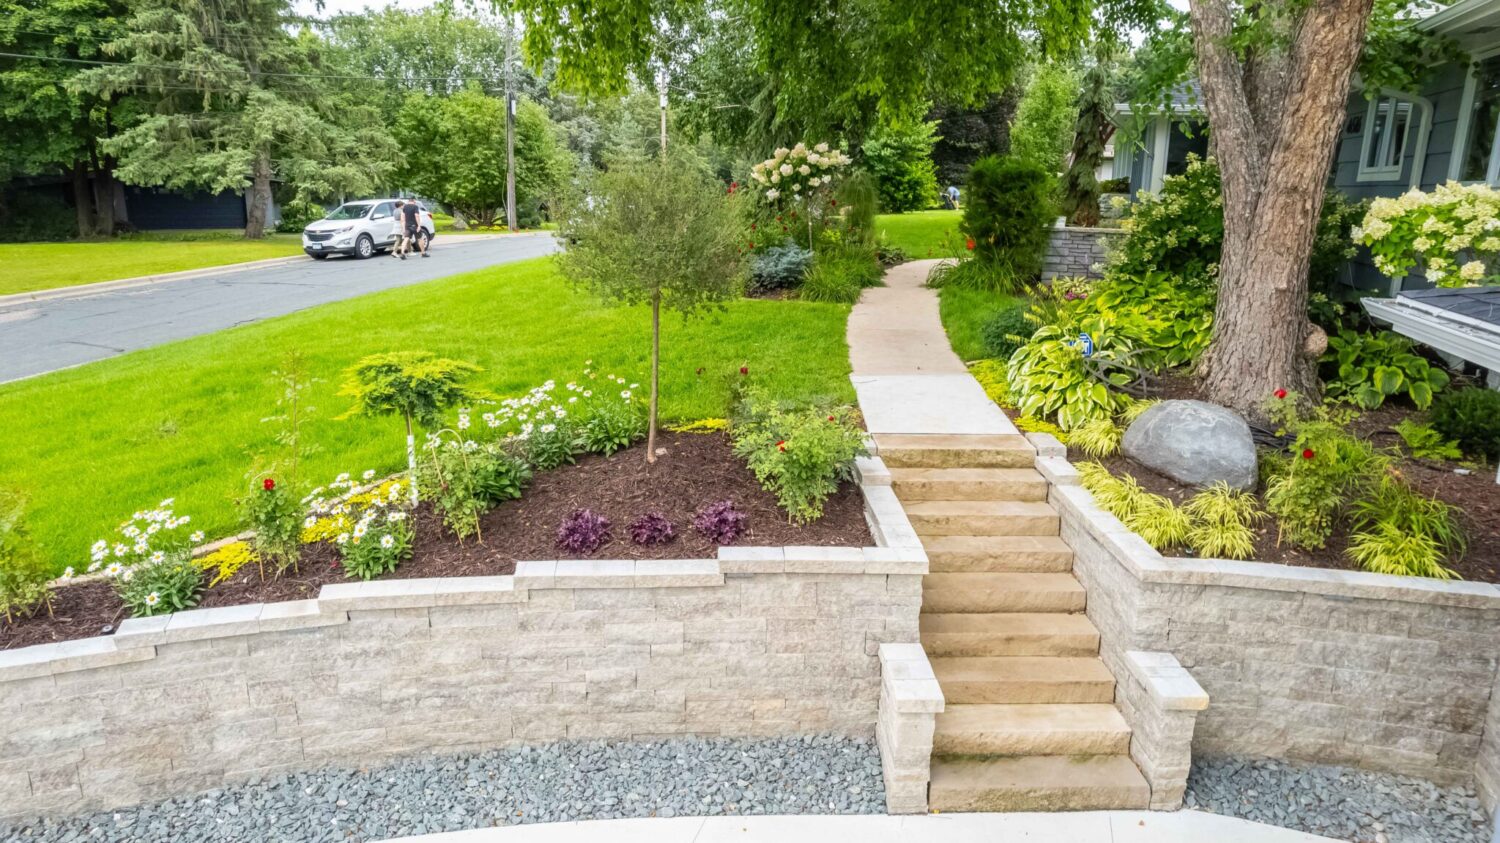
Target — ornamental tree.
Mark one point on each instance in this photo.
(1091, 133)
(416, 385)
(658, 233)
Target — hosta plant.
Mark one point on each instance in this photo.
(150, 561)
(1051, 377)
(1365, 369)
(583, 531)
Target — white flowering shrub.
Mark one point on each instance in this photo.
(799, 172)
(1452, 233)
(150, 561)
(599, 413)
(368, 523)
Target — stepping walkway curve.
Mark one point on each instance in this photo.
(1030, 722)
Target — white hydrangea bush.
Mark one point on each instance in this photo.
(798, 172)
(1451, 233)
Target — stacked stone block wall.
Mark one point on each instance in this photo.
(910, 700)
(1074, 252)
(1380, 672)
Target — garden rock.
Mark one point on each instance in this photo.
(1195, 443)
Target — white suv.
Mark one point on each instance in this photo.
(361, 229)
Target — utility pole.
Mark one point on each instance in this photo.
(510, 124)
(661, 87)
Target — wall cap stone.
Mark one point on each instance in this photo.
(1168, 682)
(907, 676)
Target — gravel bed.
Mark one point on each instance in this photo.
(1339, 802)
(551, 783)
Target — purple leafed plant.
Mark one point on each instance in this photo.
(720, 522)
(652, 528)
(585, 531)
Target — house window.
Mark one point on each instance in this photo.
(1480, 153)
(1390, 123)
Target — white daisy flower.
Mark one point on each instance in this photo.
(152, 599)
(114, 569)
(369, 474)
(588, 393)
(360, 529)
(387, 541)
(395, 515)
(166, 503)
(309, 522)
(158, 557)
(68, 573)
(196, 537)
(625, 394)
(343, 538)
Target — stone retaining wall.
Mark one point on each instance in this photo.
(1074, 252)
(760, 641)
(1387, 673)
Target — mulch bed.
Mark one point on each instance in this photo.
(1475, 497)
(694, 470)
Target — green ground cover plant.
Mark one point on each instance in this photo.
(177, 420)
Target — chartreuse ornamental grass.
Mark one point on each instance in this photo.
(922, 234)
(92, 445)
(46, 266)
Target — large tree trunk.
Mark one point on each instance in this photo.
(1273, 121)
(260, 198)
(83, 200)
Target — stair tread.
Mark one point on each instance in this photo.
(1038, 782)
(1034, 717)
(1003, 581)
(953, 441)
(1006, 623)
(967, 475)
(995, 544)
(985, 507)
(1048, 669)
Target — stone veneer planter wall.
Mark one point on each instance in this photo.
(1074, 252)
(760, 641)
(1382, 672)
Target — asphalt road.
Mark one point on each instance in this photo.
(43, 336)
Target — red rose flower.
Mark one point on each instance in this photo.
(269, 484)
(1307, 453)
(969, 244)
(1280, 393)
(833, 202)
(744, 370)
(830, 418)
(781, 446)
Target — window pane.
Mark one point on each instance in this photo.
(1480, 143)
(1377, 132)
(1401, 113)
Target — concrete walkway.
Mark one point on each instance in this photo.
(907, 377)
(1092, 827)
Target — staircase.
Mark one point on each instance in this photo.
(1030, 723)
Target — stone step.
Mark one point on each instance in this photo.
(1006, 592)
(969, 484)
(902, 450)
(1009, 634)
(1048, 729)
(997, 554)
(1003, 680)
(982, 518)
(1038, 783)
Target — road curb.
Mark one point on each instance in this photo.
(102, 287)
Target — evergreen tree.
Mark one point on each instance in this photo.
(1092, 131)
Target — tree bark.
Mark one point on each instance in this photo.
(655, 373)
(83, 200)
(260, 197)
(1273, 122)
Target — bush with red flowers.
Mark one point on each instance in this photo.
(276, 516)
(799, 454)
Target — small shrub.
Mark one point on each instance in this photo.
(889, 255)
(799, 455)
(652, 528)
(1471, 417)
(298, 214)
(700, 426)
(552, 444)
(1222, 521)
(1426, 443)
(1365, 369)
(583, 531)
(1160, 522)
(1007, 331)
(150, 561)
(157, 589)
(24, 577)
(609, 426)
(1396, 530)
(839, 273)
(1178, 231)
(899, 156)
(779, 268)
(1007, 217)
(276, 516)
(1324, 468)
(379, 541)
(720, 522)
(1097, 437)
(226, 561)
(34, 215)
(464, 479)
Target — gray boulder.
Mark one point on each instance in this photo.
(1194, 443)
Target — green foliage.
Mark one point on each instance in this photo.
(1007, 211)
(1395, 530)
(1222, 520)
(1471, 417)
(1043, 128)
(1097, 437)
(1426, 443)
(1161, 523)
(1092, 130)
(1365, 369)
(297, 214)
(1050, 378)
(839, 273)
(1135, 408)
(416, 385)
(608, 426)
(799, 454)
(162, 587)
(29, 216)
(548, 449)
(1178, 231)
(1333, 244)
(464, 479)
(858, 198)
(453, 150)
(1170, 320)
(1007, 331)
(379, 541)
(899, 156)
(24, 575)
(779, 267)
(273, 511)
(1029, 424)
(1324, 469)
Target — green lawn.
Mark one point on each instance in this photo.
(964, 313)
(92, 445)
(923, 234)
(46, 266)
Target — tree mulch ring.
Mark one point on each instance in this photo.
(690, 472)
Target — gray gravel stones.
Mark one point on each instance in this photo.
(555, 782)
(1338, 802)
